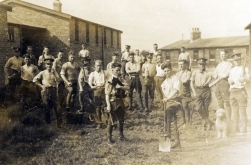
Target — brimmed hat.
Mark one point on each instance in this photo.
(201, 60)
(115, 54)
(86, 59)
(236, 56)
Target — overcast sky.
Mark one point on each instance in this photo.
(145, 22)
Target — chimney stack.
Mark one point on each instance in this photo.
(57, 5)
(195, 34)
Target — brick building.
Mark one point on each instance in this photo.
(208, 48)
(30, 24)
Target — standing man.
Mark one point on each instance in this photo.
(185, 56)
(45, 54)
(84, 52)
(69, 74)
(97, 80)
(47, 80)
(57, 66)
(32, 57)
(84, 87)
(221, 74)
(184, 76)
(12, 71)
(133, 69)
(148, 73)
(171, 88)
(202, 93)
(238, 77)
(109, 65)
(114, 102)
(155, 53)
(138, 58)
(159, 78)
(124, 60)
(27, 88)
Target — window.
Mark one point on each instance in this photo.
(195, 55)
(111, 38)
(118, 41)
(212, 54)
(76, 31)
(247, 51)
(229, 52)
(87, 33)
(168, 56)
(11, 33)
(105, 36)
(96, 34)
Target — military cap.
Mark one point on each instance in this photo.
(201, 60)
(127, 46)
(86, 59)
(115, 54)
(26, 56)
(48, 60)
(149, 55)
(183, 47)
(86, 64)
(16, 49)
(115, 64)
(236, 56)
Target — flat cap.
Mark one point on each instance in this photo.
(201, 60)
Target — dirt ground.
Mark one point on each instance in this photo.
(83, 144)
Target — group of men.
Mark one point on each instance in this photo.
(136, 73)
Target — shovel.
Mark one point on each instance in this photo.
(164, 141)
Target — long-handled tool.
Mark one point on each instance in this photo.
(164, 141)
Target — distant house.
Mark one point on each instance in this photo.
(30, 24)
(208, 48)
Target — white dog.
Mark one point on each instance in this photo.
(221, 123)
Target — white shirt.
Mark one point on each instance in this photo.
(236, 73)
(160, 72)
(170, 85)
(184, 56)
(29, 72)
(223, 69)
(125, 56)
(97, 78)
(84, 53)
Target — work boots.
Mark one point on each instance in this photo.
(130, 103)
(121, 134)
(176, 143)
(109, 135)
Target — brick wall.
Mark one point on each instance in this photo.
(57, 35)
(95, 49)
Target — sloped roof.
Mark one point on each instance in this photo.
(51, 11)
(210, 43)
(7, 7)
(11, 20)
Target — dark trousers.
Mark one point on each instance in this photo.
(85, 95)
(123, 71)
(99, 103)
(185, 110)
(72, 92)
(222, 94)
(61, 95)
(170, 118)
(49, 97)
(28, 91)
(148, 89)
(117, 113)
(238, 101)
(135, 84)
(14, 83)
(159, 81)
(203, 100)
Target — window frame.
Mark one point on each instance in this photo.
(212, 59)
(11, 34)
(87, 33)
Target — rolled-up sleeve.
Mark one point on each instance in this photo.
(108, 88)
(63, 70)
(38, 77)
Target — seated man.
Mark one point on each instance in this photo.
(171, 89)
(47, 80)
(69, 73)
